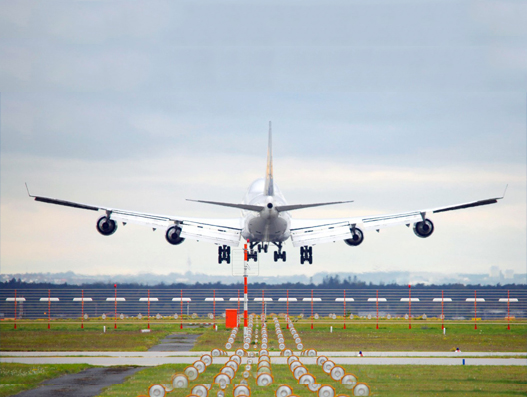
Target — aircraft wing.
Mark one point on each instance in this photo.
(218, 231)
(319, 231)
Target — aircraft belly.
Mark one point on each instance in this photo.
(262, 229)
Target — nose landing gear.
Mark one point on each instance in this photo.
(306, 255)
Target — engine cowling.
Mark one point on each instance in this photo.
(172, 235)
(424, 228)
(106, 226)
(356, 238)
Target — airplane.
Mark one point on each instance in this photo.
(265, 219)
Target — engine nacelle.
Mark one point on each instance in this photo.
(106, 226)
(172, 235)
(424, 228)
(356, 238)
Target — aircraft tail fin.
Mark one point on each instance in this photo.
(269, 188)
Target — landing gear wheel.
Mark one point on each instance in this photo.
(259, 247)
(283, 256)
(224, 254)
(275, 256)
(306, 255)
(265, 247)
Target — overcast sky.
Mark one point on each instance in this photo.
(398, 105)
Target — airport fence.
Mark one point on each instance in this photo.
(206, 305)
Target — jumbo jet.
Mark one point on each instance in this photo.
(266, 219)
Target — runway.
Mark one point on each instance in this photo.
(349, 358)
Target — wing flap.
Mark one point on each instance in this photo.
(320, 234)
(210, 233)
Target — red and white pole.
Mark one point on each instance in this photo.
(377, 304)
(245, 298)
(214, 309)
(49, 308)
(311, 309)
(15, 309)
(148, 314)
(181, 316)
(344, 309)
(475, 310)
(442, 310)
(508, 310)
(409, 306)
(287, 311)
(115, 307)
(82, 309)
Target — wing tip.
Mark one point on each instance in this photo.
(27, 189)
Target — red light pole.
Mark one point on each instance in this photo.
(181, 325)
(15, 309)
(49, 308)
(410, 306)
(377, 304)
(82, 309)
(263, 307)
(344, 309)
(442, 310)
(508, 310)
(245, 305)
(214, 308)
(148, 314)
(311, 309)
(115, 307)
(287, 306)
(475, 310)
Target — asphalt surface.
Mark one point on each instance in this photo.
(87, 383)
(176, 342)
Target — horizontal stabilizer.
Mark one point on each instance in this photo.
(292, 207)
(248, 207)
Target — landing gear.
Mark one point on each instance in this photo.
(224, 254)
(263, 247)
(252, 255)
(251, 252)
(279, 254)
(306, 255)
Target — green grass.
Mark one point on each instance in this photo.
(424, 336)
(67, 336)
(392, 337)
(390, 380)
(15, 378)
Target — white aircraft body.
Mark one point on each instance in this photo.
(265, 220)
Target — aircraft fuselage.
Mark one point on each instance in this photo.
(268, 225)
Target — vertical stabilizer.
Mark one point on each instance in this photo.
(269, 191)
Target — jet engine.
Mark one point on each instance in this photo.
(172, 235)
(106, 226)
(424, 228)
(356, 237)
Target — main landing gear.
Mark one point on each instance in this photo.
(279, 254)
(224, 254)
(306, 255)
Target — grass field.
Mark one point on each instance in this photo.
(383, 380)
(15, 378)
(68, 336)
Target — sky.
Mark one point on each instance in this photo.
(397, 105)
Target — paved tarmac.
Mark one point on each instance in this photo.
(87, 383)
(176, 342)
